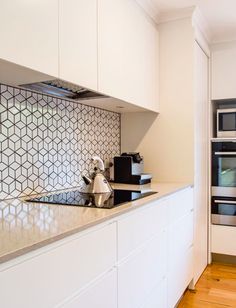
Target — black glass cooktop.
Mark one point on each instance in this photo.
(105, 201)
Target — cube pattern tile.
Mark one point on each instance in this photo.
(46, 143)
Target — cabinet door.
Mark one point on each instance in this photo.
(78, 42)
(223, 70)
(140, 273)
(179, 277)
(140, 226)
(223, 240)
(158, 296)
(29, 34)
(127, 53)
(102, 294)
(57, 273)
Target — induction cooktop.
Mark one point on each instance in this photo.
(105, 201)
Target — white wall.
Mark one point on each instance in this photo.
(166, 141)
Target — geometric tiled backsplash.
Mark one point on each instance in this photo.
(46, 143)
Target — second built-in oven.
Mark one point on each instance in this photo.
(223, 211)
(224, 168)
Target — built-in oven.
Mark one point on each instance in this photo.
(224, 168)
(223, 211)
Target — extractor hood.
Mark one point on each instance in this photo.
(63, 89)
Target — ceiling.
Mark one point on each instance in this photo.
(220, 15)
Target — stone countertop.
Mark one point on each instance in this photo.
(26, 226)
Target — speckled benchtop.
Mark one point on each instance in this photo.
(27, 226)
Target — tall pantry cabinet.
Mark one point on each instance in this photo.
(174, 143)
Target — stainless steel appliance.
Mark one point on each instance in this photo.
(224, 168)
(63, 89)
(128, 168)
(226, 122)
(223, 211)
(97, 183)
(106, 201)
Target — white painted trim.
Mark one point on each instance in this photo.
(149, 9)
(202, 31)
(176, 14)
(200, 39)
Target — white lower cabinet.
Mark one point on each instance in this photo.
(144, 259)
(141, 272)
(58, 271)
(179, 276)
(102, 294)
(158, 296)
(222, 240)
(180, 246)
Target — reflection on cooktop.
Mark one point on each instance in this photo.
(105, 201)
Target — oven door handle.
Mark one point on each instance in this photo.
(225, 153)
(225, 201)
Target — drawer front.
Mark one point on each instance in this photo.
(223, 240)
(102, 294)
(135, 229)
(180, 204)
(180, 237)
(59, 272)
(179, 276)
(158, 296)
(141, 272)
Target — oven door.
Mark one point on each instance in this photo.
(223, 211)
(224, 169)
(226, 123)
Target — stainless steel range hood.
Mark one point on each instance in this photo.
(63, 89)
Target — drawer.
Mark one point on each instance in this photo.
(57, 273)
(179, 277)
(101, 294)
(140, 273)
(157, 297)
(141, 225)
(181, 203)
(181, 236)
(223, 240)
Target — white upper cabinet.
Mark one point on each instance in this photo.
(127, 53)
(223, 70)
(78, 42)
(29, 34)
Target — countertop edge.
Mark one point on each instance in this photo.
(37, 245)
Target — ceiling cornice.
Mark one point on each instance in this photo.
(199, 22)
(150, 9)
(176, 14)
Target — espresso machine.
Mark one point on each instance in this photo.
(128, 168)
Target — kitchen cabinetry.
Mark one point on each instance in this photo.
(180, 248)
(141, 272)
(127, 53)
(78, 42)
(140, 259)
(223, 240)
(105, 46)
(102, 294)
(29, 34)
(223, 70)
(55, 274)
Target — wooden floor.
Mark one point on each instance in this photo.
(215, 289)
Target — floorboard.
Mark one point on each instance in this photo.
(216, 288)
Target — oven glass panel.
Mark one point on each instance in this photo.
(227, 121)
(227, 171)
